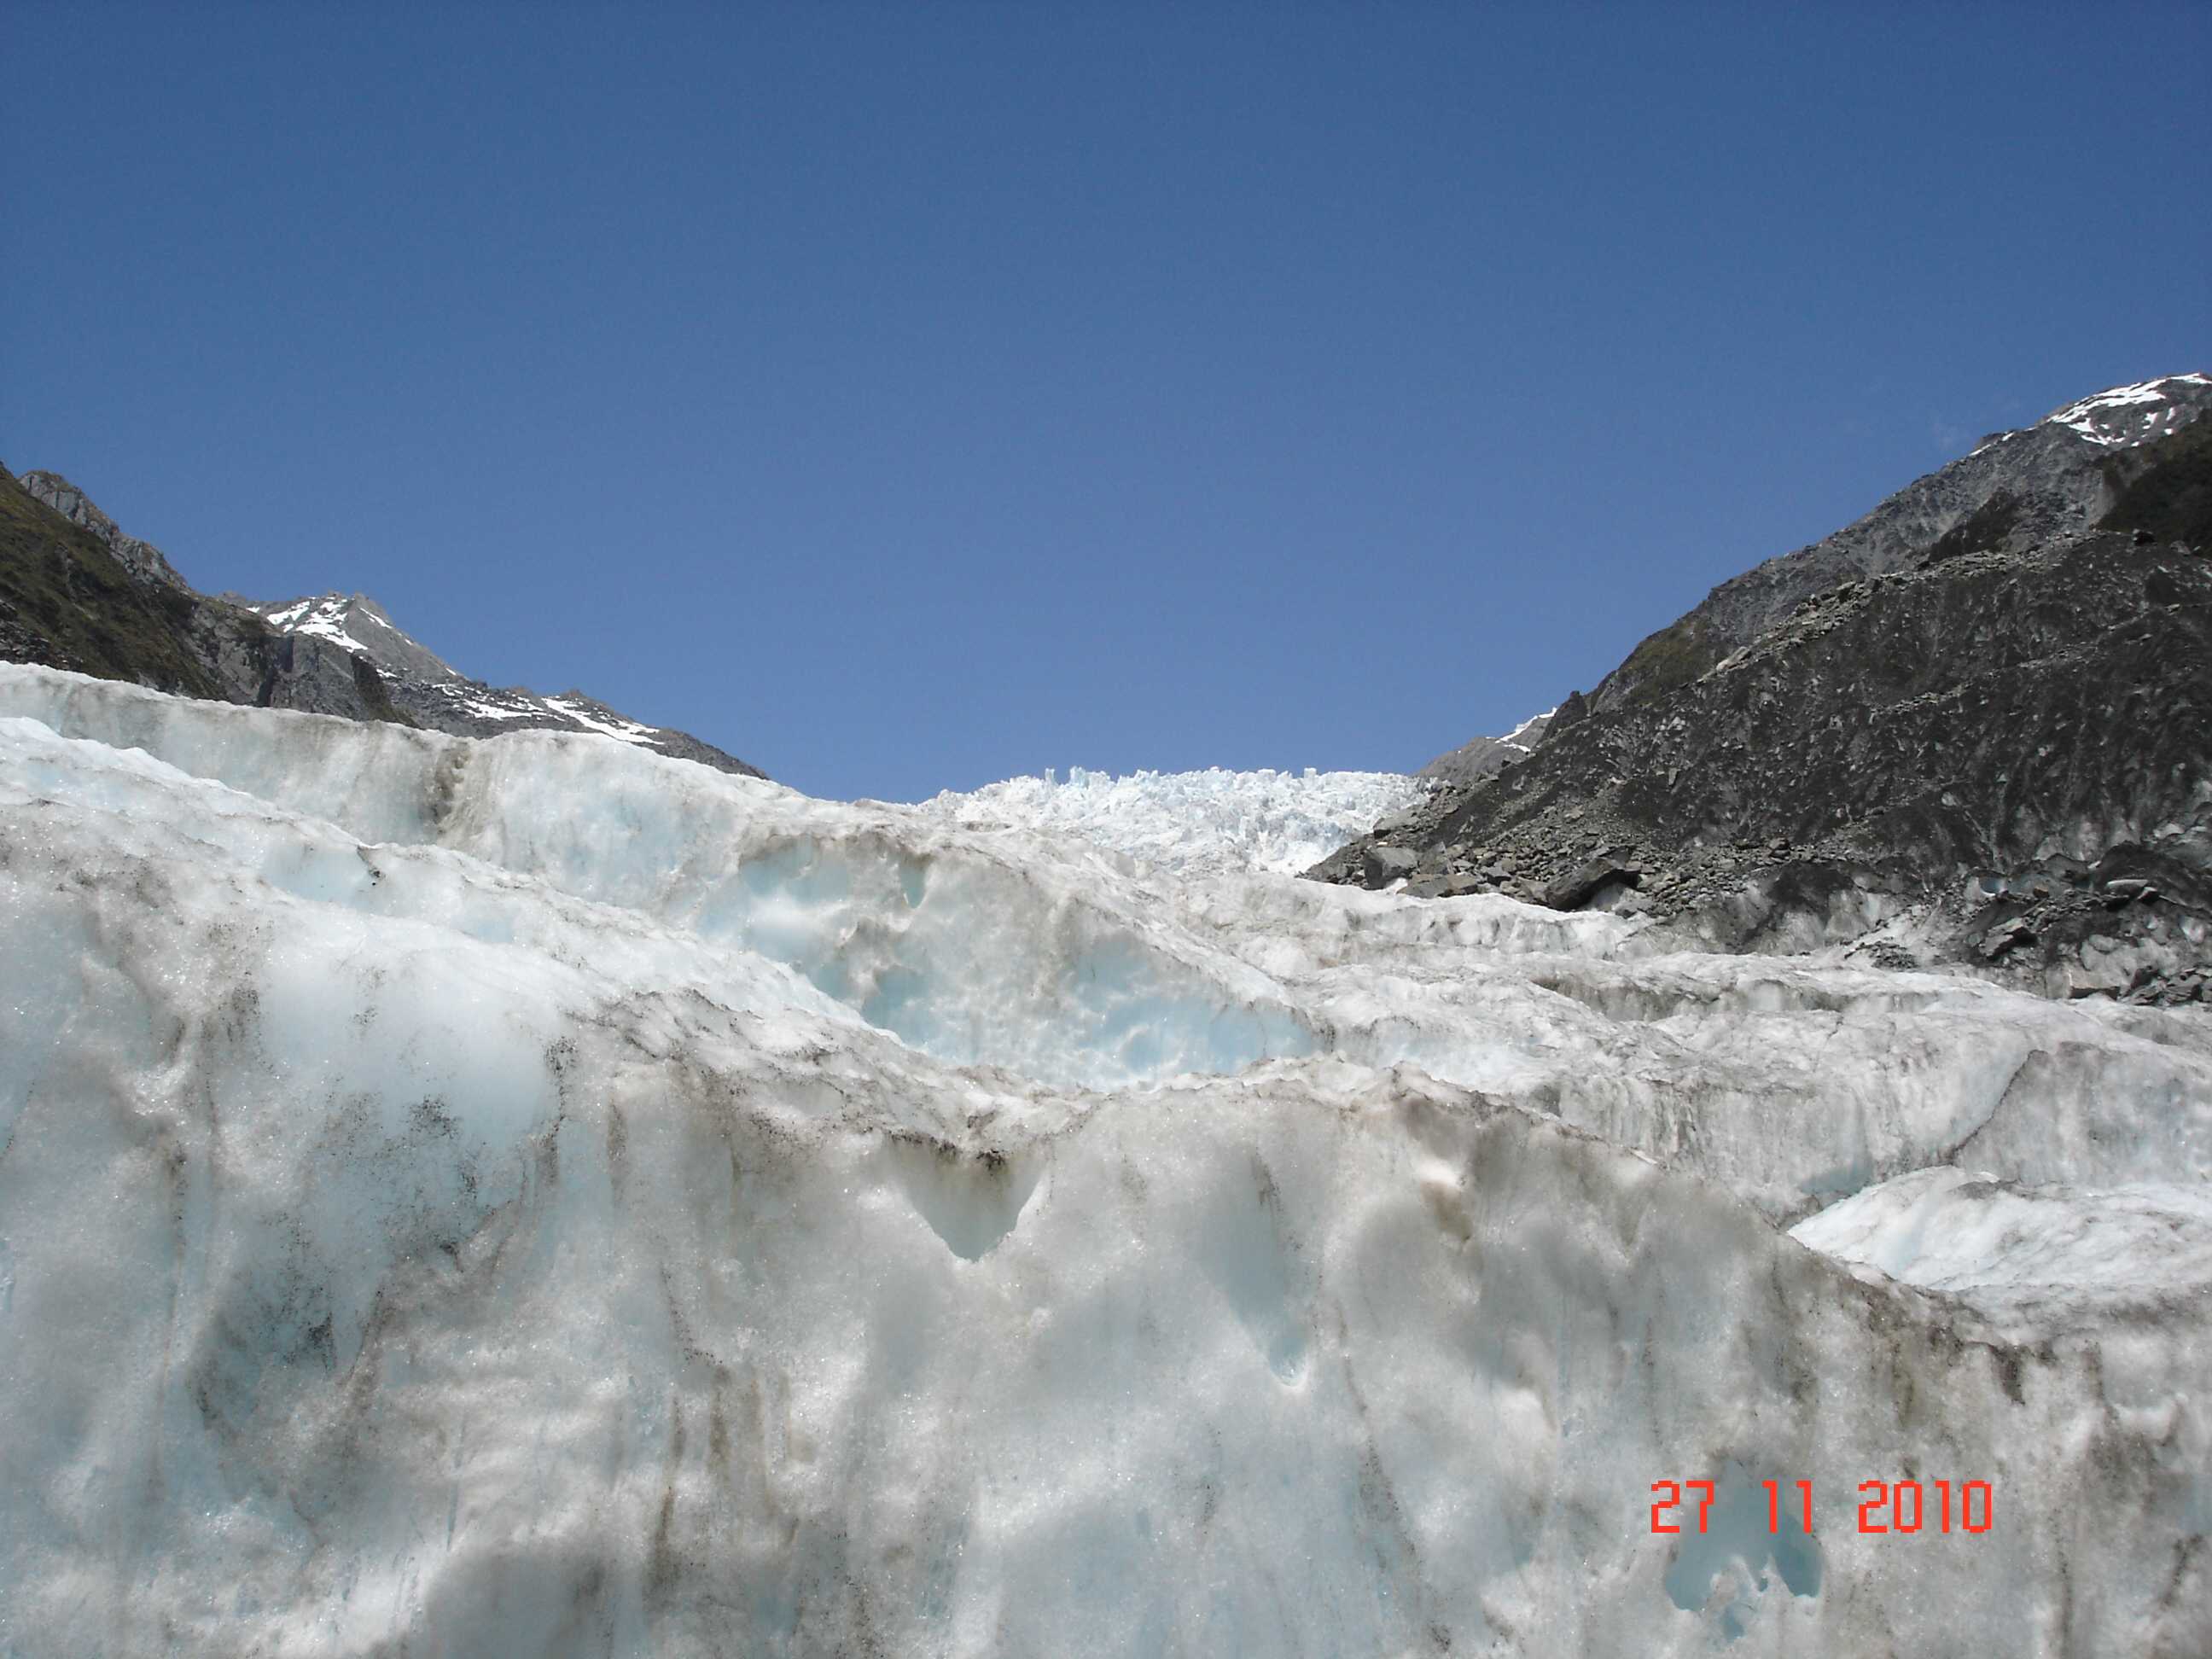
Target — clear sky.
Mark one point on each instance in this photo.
(908, 397)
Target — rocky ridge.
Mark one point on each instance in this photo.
(1980, 732)
(75, 592)
(431, 693)
(141, 558)
(1486, 757)
(2062, 474)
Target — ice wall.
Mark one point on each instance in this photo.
(450, 1204)
(1794, 1082)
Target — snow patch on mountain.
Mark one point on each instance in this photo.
(1483, 757)
(2125, 416)
(327, 617)
(1524, 736)
(627, 731)
(357, 623)
(1195, 823)
(432, 690)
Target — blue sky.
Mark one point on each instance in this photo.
(904, 398)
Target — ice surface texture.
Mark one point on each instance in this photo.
(530, 1196)
(1209, 822)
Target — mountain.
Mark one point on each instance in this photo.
(1974, 727)
(2061, 477)
(76, 593)
(520, 1197)
(431, 693)
(1486, 757)
(512, 1195)
(142, 560)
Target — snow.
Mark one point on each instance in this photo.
(461, 697)
(627, 731)
(1193, 823)
(326, 618)
(530, 1196)
(2126, 415)
(330, 617)
(1513, 739)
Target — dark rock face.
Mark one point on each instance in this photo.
(2063, 474)
(1996, 750)
(1486, 757)
(77, 594)
(1587, 881)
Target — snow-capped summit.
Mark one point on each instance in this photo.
(433, 693)
(120, 610)
(2125, 416)
(361, 625)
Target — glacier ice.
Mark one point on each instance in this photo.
(2022, 1255)
(530, 1196)
(1195, 823)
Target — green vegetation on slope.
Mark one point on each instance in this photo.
(1677, 654)
(67, 602)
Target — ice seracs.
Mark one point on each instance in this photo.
(528, 1196)
(1191, 823)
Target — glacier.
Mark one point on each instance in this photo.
(530, 1195)
(1211, 823)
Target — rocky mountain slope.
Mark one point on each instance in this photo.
(75, 592)
(2060, 475)
(433, 693)
(1976, 725)
(1486, 757)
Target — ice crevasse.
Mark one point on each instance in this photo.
(532, 1196)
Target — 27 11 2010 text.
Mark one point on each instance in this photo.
(1903, 1506)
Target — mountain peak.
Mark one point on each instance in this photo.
(435, 693)
(334, 653)
(2122, 416)
(357, 623)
